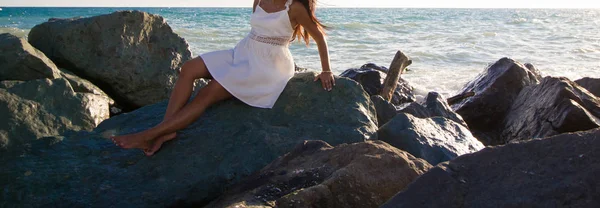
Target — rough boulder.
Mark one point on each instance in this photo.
(40, 108)
(435, 139)
(132, 56)
(496, 88)
(228, 143)
(316, 174)
(560, 171)
(21, 61)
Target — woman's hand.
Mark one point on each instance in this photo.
(327, 80)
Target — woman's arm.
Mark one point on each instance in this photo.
(301, 17)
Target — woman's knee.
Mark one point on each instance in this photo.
(214, 92)
(194, 69)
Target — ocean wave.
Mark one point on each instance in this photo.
(517, 21)
(352, 26)
(490, 34)
(585, 50)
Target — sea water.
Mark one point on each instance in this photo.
(448, 47)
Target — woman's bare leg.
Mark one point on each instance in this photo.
(190, 71)
(207, 96)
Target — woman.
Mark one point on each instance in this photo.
(255, 71)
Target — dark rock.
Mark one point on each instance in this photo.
(229, 142)
(435, 105)
(371, 77)
(371, 80)
(590, 84)
(404, 93)
(534, 70)
(495, 91)
(20, 61)
(9, 84)
(132, 56)
(555, 106)
(385, 110)
(417, 110)
(41, 108)
(376, 67)
(561, 171)
(316, 174)
(434, 139)
(299, 69)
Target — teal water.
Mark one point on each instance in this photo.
(448, 46)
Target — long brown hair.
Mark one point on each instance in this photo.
(300, 32)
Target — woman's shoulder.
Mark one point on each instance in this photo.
(296, 7)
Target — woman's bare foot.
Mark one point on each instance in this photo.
(130, 141)
(157, 143)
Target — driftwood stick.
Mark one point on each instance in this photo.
(398, 65)
(459, 97)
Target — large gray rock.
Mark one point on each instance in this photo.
(590, 84)
(434, 139)
(316, 174)
(20, 61)
(132, 56)
(229, 142)
(495, 89)
(561, 171)
(555, 106)
(41, 108)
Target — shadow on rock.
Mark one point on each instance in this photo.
(559, 171)
(316, 174)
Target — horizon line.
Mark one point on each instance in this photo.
(323, 7)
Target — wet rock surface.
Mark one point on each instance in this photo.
(496, 88)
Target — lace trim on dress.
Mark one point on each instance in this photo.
(273, 40)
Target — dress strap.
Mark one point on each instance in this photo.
(257, 4)
(288, 3)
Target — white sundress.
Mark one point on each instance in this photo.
(257, 70)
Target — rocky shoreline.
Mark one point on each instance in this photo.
(522, 139)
